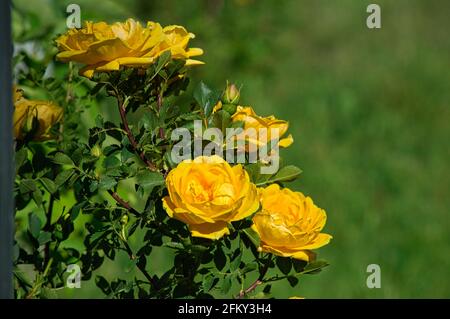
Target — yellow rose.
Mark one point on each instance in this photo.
(252, 121)
(26, 112)
(207, 193)
(103, 47)
(289, 223)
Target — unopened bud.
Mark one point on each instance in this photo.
(231, 94)
(31, 121)
(96, 151)
(124, 219)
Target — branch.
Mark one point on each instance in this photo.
(130, 135)
(140, 267)
(123, 203)
(130, 253)
(257, 282)
(159, 102)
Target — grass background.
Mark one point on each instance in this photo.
(368, 109)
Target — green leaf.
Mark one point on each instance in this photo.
(106, 183)
(44, 237)
(103, 284)
(110, 150)
(285, 174)
(206, 98)
(37, 197)
(221, 120)
(148, 180)
(62, 159)
(226, 285)
(248, 268)
(284, 264)
(267, 289)
(116, 172)
(209, 281)
(220, 259)
(299, 265)
(198, 248)
(63, 177)
(49, 185)
(27, 186)
(293, 281)
(111, 162)
(22, 278)
(254, 171)
(174, 245)
(181, 290)
(236, 262)
(21, 157)
(149, 121)
(126, 155)
(162, 61)
(97, 88)
(253, 236)
(112, 130)
(34, 225)
(93, 186)
(315, 267)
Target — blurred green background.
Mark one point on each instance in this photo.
(368, 109)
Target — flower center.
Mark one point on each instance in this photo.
(198, 192)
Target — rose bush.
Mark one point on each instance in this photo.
(118, 188)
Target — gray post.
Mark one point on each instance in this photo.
(6, 154)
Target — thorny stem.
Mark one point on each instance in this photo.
(257, 282)
(123, 117)
(123, 203)
(139, 266)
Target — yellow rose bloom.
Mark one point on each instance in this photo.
(104, 47)
(289, 223)
(26, 111)
(252, 121)
(207, 193)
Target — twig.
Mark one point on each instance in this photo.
(139, 266)
(159, 102)
(69, 96)
(123, 117)
(257, 282)
(123, 203)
